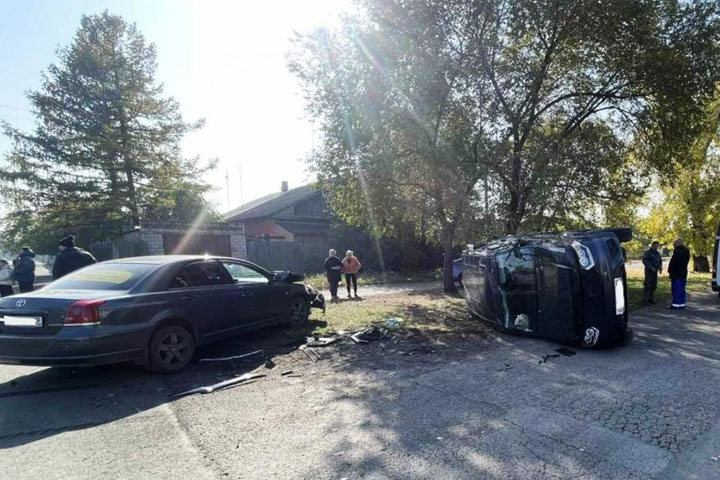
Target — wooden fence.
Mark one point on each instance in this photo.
(299, 257)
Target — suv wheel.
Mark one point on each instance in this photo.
(299, 312)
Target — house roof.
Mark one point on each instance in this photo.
(304, 227)
(270, 204)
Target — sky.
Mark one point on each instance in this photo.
(222, 60)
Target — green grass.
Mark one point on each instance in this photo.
(319, 280)
(426, 312)
(697, 282)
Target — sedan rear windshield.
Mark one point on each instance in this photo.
(104, 276)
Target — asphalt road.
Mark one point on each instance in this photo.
(477, 408)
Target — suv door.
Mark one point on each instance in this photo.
(201, 292)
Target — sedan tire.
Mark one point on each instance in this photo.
(299, 312)
(170, 349)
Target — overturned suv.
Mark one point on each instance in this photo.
(568, 287)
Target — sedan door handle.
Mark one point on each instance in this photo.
(245, 293)
(187, 297)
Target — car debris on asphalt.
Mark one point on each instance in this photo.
(310, 353)
(320, 341)
(565, 352)
(219, 385)
(545, 358)
(234, 357)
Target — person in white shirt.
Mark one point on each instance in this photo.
(6, 278)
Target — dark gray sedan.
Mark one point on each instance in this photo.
(150, 310)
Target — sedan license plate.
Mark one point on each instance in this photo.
(16, 321)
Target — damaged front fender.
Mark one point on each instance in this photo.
(316, 299)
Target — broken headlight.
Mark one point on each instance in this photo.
(585, 257)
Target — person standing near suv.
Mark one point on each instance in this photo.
(653, 267)
(333, 270)
(351, 267)
(678, 271)
(24, 270)
(70, 258)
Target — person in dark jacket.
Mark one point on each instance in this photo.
(70, 258)
(653, 267)
(678, 271)
(24, 270)
(333, 270)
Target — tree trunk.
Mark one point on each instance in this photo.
(448, 236)
(512, 222)
(134, 211)
(701, 264)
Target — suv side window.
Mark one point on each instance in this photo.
(201, 274)
(244, 274)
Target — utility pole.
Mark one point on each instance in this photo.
(227, 188)
(242, 200)
(312, 137)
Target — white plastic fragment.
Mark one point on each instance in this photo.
(234, 357)
(223, 384)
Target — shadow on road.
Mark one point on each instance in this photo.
(50, 401)
(625, 412)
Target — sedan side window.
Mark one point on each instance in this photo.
(201, 274)
(243, 274)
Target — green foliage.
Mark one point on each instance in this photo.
(690, 200)
(420, 101)
(105, 152)
(523, 114)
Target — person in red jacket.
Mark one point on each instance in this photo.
(351, 267)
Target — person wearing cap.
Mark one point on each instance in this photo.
(70, 258)
(24, 270)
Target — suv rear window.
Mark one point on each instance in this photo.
(103, 276)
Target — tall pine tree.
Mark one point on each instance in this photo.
(105, 152)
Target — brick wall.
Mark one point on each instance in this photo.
(153, 242)
(238, 247)
(151, 237)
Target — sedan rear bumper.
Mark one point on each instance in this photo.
(74, 346)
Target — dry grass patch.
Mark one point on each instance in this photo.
(422, 312)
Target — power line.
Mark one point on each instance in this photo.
(15, 108)
(17, 117)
